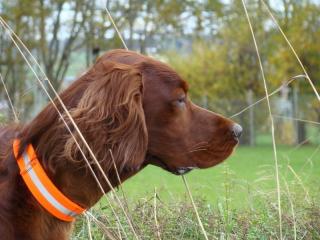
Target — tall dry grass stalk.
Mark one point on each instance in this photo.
(195, 208)
(292, 209)
(155, 214)
(89, 227)
(271, 119)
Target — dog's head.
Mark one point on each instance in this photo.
(181, 135)
(132, 111)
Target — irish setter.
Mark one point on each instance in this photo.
(128, 103)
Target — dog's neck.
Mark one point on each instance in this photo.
(77, 182)
(74, 182)
(80, 186)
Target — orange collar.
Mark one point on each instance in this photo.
(42, 188)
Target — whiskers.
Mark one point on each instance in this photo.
(201, 146)
(212, 147)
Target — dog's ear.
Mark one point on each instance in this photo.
(111, 117)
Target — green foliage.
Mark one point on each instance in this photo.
(178, 221)
(301, 26)
(221, 61)
(226, 64)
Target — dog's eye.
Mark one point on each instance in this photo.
(180, 102)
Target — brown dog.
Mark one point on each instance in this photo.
(128, 103)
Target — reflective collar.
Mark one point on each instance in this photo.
(42, 188)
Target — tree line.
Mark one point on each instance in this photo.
(208, 42)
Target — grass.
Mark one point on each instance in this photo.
(236, 200)
(249, 169)
(177, 221)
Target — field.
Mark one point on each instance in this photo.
(236, 200)
(249, 170)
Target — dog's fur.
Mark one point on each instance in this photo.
(128, 103)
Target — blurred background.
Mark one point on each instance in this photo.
(208, 42)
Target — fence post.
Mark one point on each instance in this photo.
(251, 118)
(296, 111)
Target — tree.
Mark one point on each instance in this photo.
(50, 34)
(12, 66)
(301, 24)
(60, 36)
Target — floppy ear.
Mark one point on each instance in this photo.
(111, 117)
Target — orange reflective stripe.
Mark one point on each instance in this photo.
(41, 186)
(42, 200)
(53, 190)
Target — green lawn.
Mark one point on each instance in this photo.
(245, 177)
(235, 200)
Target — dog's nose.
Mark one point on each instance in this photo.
(236, 130)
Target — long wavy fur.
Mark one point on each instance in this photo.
(106, 104)
(111, 117)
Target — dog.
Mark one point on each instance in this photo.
(133, 111)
